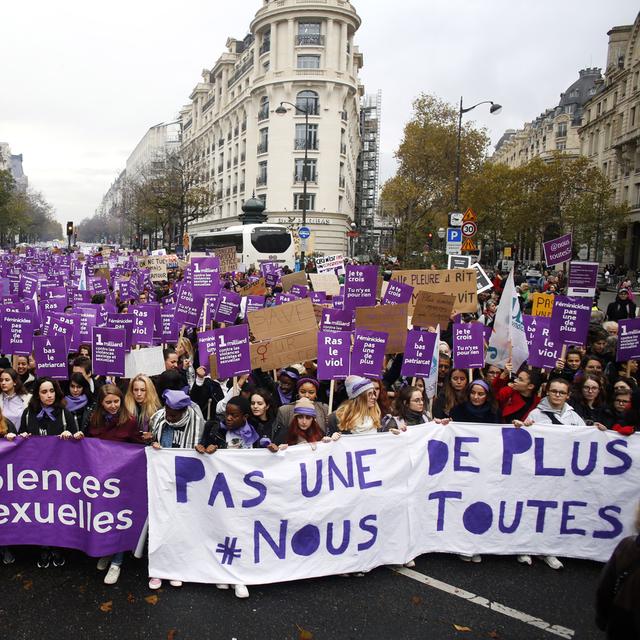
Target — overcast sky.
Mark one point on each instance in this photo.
(81, 82)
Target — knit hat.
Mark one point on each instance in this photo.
(355, 385)
(241, 402)
(304, 407)
(312, 381)
(176, 399)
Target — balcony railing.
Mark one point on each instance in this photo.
(313, 178)
(299, 144)
(312, 107)
(263, 147)
(310, 40)
(261, 180)
(208, 104)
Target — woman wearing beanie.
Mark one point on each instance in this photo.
(360, 414)
(303, 427)
(479, 406)
(305, 388)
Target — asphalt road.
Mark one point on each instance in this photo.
(72, 602)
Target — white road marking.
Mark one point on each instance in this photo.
(555, 629)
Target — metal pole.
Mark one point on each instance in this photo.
(456, 196)
(305, 177)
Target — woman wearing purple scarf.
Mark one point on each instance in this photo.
(79, 399)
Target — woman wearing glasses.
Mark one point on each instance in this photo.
(589, 402)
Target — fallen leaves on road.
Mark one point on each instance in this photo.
(131, 598)
(151, 599)
(494, 635)
(106, 607)
(171, 634)
(27, 584)
(458, 627)
(416, 600)
(303, 634)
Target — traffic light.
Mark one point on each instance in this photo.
(430, 240)
(69, 228)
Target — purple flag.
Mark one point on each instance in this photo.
(144, 319)
(334, 348)
(17, 332)
(228, 307)
(206, 347)
(418, 354)
(232, 351)
(367, 357)
(50, 353)
(108, 347)
(558, 251)
(95, 501)
(570, 320)
(205, 274)
(543, 351)
(188, 306)
(628, 340)
(360, 286)
(397, 293)
(336, 320)
(468, 346)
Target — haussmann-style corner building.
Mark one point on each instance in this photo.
(297, 51)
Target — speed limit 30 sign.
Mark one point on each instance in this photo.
(469, 229)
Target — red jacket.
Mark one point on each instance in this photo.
(510, 401)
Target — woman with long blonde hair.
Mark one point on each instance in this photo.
(185, 352)
(360, 413)
(141, 400)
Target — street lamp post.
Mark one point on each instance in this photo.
(441, 234)
(495, 108)
(281, 110)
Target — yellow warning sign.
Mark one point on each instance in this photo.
(469, 216)
(468, 245)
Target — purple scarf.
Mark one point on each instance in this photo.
(247, 434)
(46, 412)
(76, 403)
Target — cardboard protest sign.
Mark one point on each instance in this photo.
(418, 354)
(628, 340)
(50, 353)
(468, 345)
(327, 282)
(285, 349)
(232, 351)
(432, 309)
(583, 279)
(108, 347)
(258, 288)
(228, 259)
(334, 349)
(157, 266)
(543, 351)
(360, 286)
(298, 277)
(460, 283)
(390, 319)
(542, 304)
(559, 250)
(367, 357)
(570, 320)
(288, 318)
(149, 361)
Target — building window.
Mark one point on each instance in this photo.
(263, 140)
(311, 137)
(312, 173)
(562, 130)
(309, 34)
(262, 173)
(308, 101)
(263, 113)
(266, 42)
(298, 201)
(308, 62)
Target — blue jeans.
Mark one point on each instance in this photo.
(117, 558)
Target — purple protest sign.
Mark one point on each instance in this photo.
(108, 348)
(63, 324)
(17, 332)
(206, 347)
(360, 286)
(209, 305)
(318, 297)
(337, 302)
(166, 329)
(205, 274)
(272, 272)
(397, 293)
(468, 345)
(418, 354)
(52, 305)
(87, 319)
(336, 320)
(283, 298)
(583, 279)
(50, 353)
(144, 319)
(543, 351)
(299, 291)
(232, 351)
(558, 251)
(98, 503)
(334, 348)
(367, 357)
(628, 340)
(255, 303)
(188, 306)
(570, 320)
(122, 321)
(228, 306)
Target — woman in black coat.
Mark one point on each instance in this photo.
(479, 406)
(46, 414)
(622, 307)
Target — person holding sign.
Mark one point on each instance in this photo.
(79, 399)
(359, 414)
(14, 398)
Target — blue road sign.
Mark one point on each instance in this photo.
(454, 234)
(304, 233)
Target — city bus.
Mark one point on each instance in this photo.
(254, 243)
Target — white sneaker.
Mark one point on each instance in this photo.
(103, 563)
(474, 558)
(222, 586)
(112, 575)
(241, 591)
(155, 583)
(552, 561)
(524, 559)
(175, 583)
(410, 564)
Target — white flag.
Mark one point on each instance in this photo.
(82, 286)
(431, 383)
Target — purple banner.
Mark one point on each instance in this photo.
(468, 346)
(583, 279)
(50, 353)
(558, 251)
(543, 351)
(418, 354)
(17, 332)
(570, 320)
(397, 293)
(188, 306)
(360, 286)
(206, 347)
(91, 494)
(334, 348)
(108, 347)
(232, 351)
(143, 322)
(228, 306)
(336, 320)
(367, 357)
(628, 340)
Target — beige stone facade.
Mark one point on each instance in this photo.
(610, 132)
(298, 51)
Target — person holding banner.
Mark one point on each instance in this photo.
(305, 388)
(453, 393)
(142, 402)
(263, 414)
(79, 399)
(518, 398)
(13, 396)
(304, 427)
(359, 414)
(479, 405)
(589, 402)
(409, 410)
(21, 365)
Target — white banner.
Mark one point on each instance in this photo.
(255, 517)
